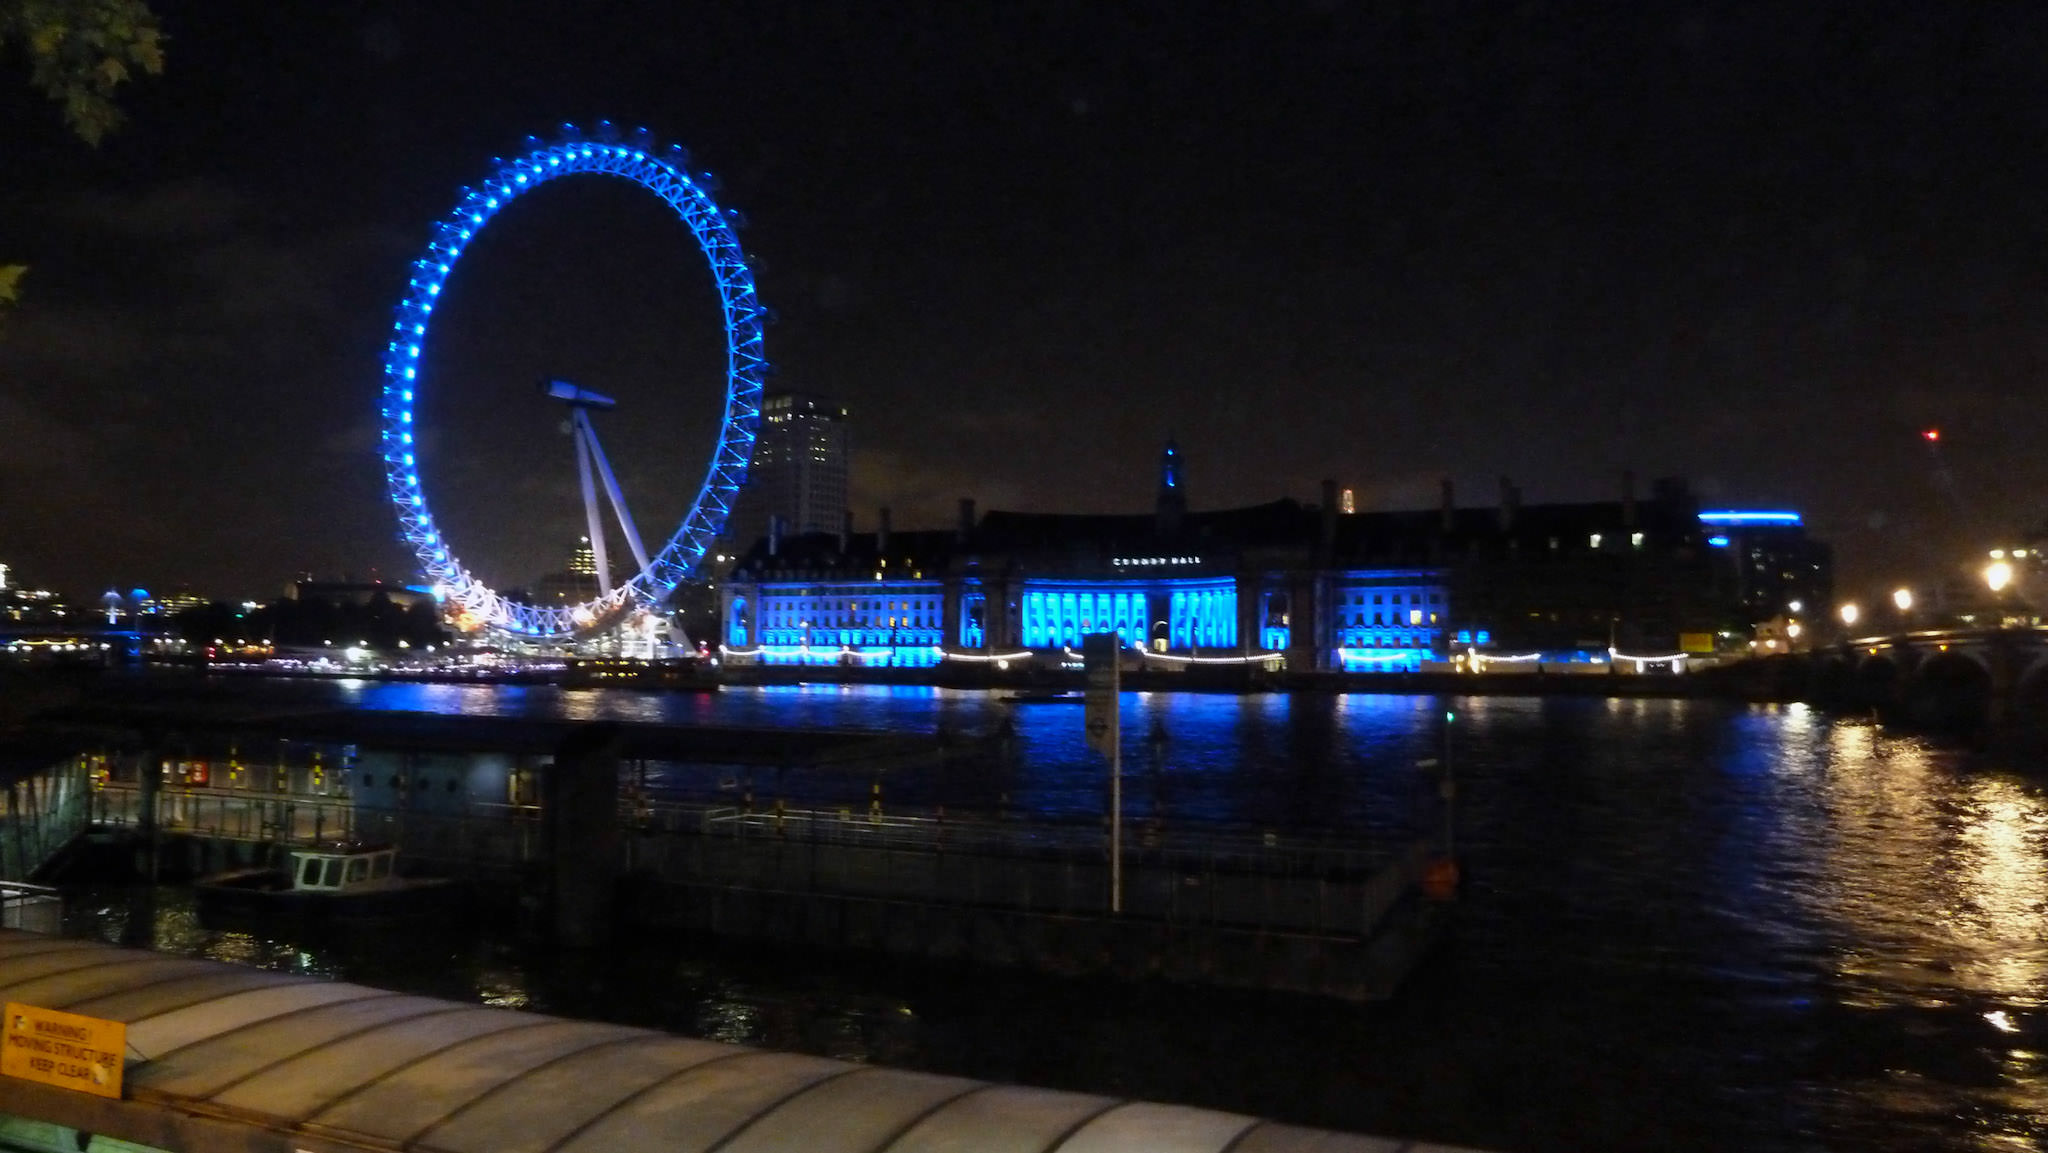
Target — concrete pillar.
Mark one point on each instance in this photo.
(2006, 666)
(951, 611)
(149, 783)
(1250, 595)
(581, 836)
(1305, 625)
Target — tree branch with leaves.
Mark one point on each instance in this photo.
(79, 52)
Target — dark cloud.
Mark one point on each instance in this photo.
(177, 210)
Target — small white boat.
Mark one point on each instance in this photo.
(1041, 697)
(337, 881)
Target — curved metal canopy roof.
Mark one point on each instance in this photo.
(338, 1066)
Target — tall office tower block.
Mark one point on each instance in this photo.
(798, 475)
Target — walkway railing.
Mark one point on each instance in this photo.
(237, 815)
(37, 908)
(1182, 876)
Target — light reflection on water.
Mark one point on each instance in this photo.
(1689, 925)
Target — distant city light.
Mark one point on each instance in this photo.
(1931, 436)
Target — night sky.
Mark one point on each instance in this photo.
(1759, 246)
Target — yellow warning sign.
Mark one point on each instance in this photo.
(63, 1049)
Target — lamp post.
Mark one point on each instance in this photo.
(1902, 599)
(1998, 577)
(1849, 613)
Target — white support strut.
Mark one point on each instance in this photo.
(611, 488)
(596, 526)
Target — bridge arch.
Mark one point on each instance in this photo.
(1951, 689)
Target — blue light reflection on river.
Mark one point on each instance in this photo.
(1690, 925)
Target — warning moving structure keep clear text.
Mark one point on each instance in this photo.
(62, 1049)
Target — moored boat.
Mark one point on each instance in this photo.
(325, 882)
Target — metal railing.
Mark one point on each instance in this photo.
(236, 815)
(36, 908)
(1181, 876)
(1197, 848)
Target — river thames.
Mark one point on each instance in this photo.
(1687, 925)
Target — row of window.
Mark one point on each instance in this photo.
(1413, 617)
(1355, 639)
(835, 639)
(783, 612)
(1355, 597)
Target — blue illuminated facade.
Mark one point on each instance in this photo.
(892, 623)
(1283, 585)
(1163, 615)
(1389, 620)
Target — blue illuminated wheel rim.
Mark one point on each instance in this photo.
(468, 600)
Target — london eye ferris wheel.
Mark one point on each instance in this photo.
(473, 604)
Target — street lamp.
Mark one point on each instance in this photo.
(1903, 598)
(1998, 575)
(1849, 612)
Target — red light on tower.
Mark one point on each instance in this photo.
(1931, 435)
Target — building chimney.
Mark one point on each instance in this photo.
(1329, 525)
(1628, 498)
(774, 535)
(966, 516)
(882, 533)
(1510, 501)
(1449, 504)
